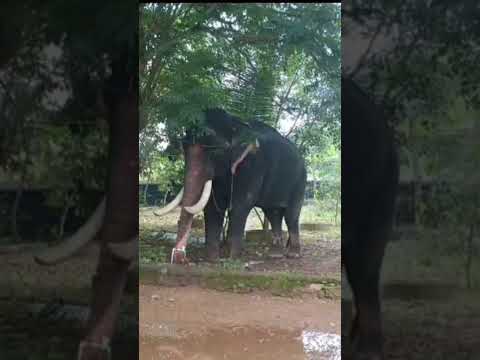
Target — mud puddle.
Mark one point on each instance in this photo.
(238, 343)
(190, 323)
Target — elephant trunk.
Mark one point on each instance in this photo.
(197, 189)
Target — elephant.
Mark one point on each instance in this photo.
(115, 220)
(369, 186)
(235, 166)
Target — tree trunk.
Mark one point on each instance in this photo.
(416, 173)
(336, 208)
(468, 262)
(63, 219)
(165, 197)
(14, 215)
(265, 225)
(145, 189)
(258, 216)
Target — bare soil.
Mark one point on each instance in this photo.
(425, 329)
(427, 311)
(194, 323)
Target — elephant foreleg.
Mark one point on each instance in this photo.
(214, 218)
(108, 286)
(236, 229)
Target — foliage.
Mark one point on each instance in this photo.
(166, 173)
(277, 63)
(325, 171)
(51, 70)
(427, 79)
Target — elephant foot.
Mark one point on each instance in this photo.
(94, 351)
(364, 349)
(367, 356)
(293, 252)
(179, 256)
(276, 252)
(224, 250)
(213, 254)
(235, 253)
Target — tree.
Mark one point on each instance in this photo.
(426, 78)
(277, 63)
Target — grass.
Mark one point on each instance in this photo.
(279, 285)
(227, 279)
(426, 261)
(319, 212)
(157, 236)
(152, 254)
(430, 256)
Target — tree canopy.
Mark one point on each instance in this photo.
(277, 63)
(57, 59)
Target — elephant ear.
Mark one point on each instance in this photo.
(223, 124)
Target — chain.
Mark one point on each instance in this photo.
(229, 210)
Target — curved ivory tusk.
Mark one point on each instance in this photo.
(71, 245)
(126, 251)
(169, 207)
(207, 190)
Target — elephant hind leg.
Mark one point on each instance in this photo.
(292, 218)
(275, 216)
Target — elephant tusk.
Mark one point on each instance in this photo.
(171, 206)
(71, 245)
(126, 251)
(200, 205)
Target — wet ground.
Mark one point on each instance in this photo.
(199, 324)
(194, 323)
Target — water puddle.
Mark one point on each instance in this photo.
(319, 345)
(237, 343)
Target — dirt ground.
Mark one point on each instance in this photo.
(196, 323)
(320, 244)
(427, 311)
(54, 331)
(434, 328)
(200, 324)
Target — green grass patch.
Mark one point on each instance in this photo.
(223, 279)
(152, 254)
(320, 212)
(279, 285)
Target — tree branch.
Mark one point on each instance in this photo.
(285, 97)
(363, 58)
(294, 124)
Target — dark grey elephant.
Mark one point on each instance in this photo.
(369, 187)
(235, 166)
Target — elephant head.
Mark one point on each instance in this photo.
(217, 152)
